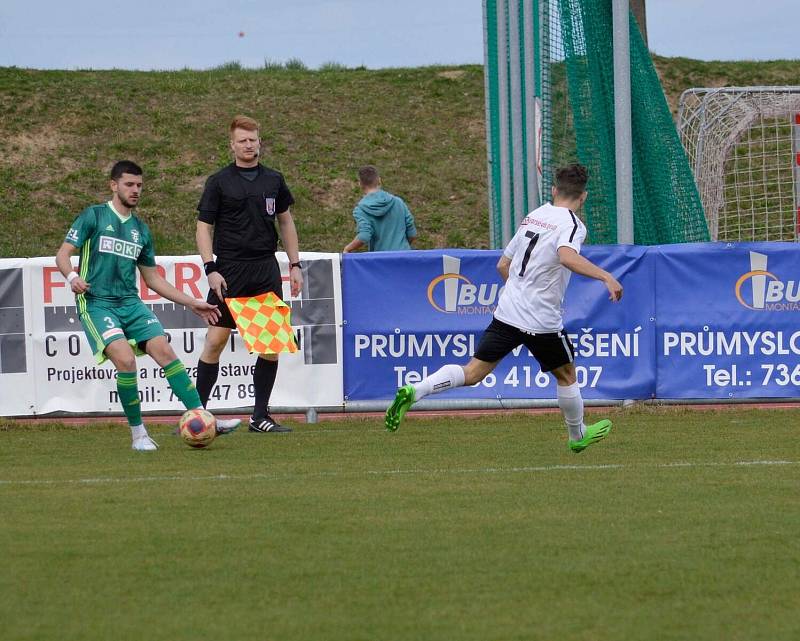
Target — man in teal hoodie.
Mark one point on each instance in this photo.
(383, 221)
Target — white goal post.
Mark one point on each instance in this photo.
(743, 144)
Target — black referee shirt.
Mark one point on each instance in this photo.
(243, 211)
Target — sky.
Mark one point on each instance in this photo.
(199, 34)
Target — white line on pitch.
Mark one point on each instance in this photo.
(396, 472)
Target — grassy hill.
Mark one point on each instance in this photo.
(61, 131)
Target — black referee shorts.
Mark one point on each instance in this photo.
(550, 350)
(245, 278)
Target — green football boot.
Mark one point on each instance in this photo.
(403, 400)
(594, 433)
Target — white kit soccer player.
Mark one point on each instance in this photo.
(536, 266)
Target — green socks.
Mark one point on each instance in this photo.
(128, 391)
(179, 381)
(182, 385)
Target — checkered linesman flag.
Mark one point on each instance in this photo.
(263, 322)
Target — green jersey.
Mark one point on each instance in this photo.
(111, 248)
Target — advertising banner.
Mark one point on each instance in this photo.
(705, 321)
(728, 320)
(409, 313)
(54, 369)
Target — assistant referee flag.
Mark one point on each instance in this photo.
(263, 322)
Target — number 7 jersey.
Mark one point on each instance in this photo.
(534, 292)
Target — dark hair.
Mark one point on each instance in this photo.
(368, 176)
(571, 180)
(125, 167)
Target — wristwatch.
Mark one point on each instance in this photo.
(298, 264)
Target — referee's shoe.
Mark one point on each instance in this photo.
(266, 424)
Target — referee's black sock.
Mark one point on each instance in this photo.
(206, 379)
(263, 382)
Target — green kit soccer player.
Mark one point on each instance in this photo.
(113, 241)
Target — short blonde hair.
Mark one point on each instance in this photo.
(244, 122)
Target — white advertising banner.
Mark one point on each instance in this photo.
(46, 364)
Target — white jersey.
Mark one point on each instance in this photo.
(533, 294)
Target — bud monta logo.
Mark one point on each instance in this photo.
(458, 294)
(769, 293)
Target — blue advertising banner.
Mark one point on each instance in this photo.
(728, 317)
(408, 313)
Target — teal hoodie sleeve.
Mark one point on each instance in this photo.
(411, 228)
(364, 230)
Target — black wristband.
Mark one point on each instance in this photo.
(297, 264)
(210, 267)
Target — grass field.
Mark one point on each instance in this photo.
(682, 525)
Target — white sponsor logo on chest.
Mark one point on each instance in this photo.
(119, 247)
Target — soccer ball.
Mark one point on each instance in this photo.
(197, 428)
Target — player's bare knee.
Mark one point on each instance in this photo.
(214, 344)
(211, 354)
(124, 363)
(163, 353)
(565, 375)
(159, 349)
(121, 355)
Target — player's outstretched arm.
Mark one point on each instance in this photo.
(209, 313)
(574, 262)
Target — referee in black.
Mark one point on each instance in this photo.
(236, 222)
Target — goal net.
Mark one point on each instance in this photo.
(549, 72)
(577, 85)
(743, 144)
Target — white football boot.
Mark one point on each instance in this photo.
(227, 425)
(144, 444)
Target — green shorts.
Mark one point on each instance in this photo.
(105, 322)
